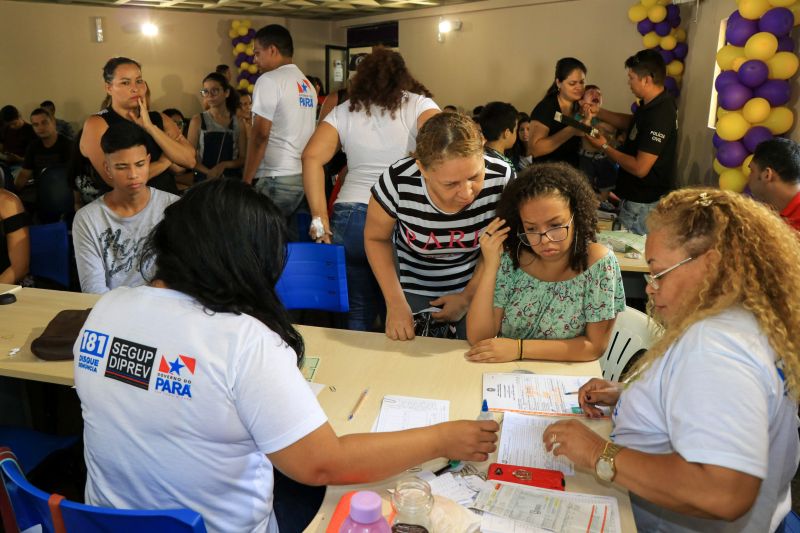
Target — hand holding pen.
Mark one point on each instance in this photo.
(598, 392)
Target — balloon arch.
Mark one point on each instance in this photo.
(753, 87)
(242, 35)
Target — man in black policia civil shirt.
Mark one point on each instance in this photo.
(647, 157)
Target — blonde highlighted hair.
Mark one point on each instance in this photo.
(756, 265)
(447, 136)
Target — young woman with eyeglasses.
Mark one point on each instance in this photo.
(548, 291)
(217, 132)
(126, 100)
(705, 426)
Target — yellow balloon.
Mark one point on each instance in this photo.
(762, 46)
(732, 126)
(732, 180)
(233, 33)
(253, 69)
(727, 54)
(722, 112)
(675, 68)
(779, 121)
(781, 3)
(669, 42)
(637, 13)
(244, 65)
(680, 35)
(250, 51)
(239, 48)
(235, 24)
(664, 2)
(718, 167)
(796, 10)
(651, 40)
(657, 13)
(649, 3)
(753, 9)
(242, 31)
(243, 84)
(783, 65)
(250, 88)
(235, 52)
(246, 23)
(756, 110)
(746, 166)
(738, 62)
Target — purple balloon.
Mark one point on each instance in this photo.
(634, 107)
(645, 26)
(725, 78)
(753, 73)
(785, 44)
(241, 76)
(673, 11)
(732, 153)
(241, 57)
(734, 95)
(251, 33)
(674, 21)
(776, 92)
(755, 136)
(777, 21)
(670, 84)
(680, 50)
(667, 55)
(739, 30)
(716, 140)
(253, 78)
(662, 28)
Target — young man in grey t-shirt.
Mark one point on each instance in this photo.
(109, 234)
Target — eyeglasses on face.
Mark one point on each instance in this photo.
(213, 92)
(652, 280)
(556, 234)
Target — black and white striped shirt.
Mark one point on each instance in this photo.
(437, 251)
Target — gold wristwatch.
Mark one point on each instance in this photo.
(605, 469)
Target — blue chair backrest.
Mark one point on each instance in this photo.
(314, 278)
(87, 519)
(31, 507)
(29, 504)
(50, 252)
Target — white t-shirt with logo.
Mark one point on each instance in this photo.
(180, 407)
(716, 397)
(287, 99)
(373, 142)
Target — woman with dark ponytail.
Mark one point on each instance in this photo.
(203, 362)
(551, 140)
(217, 132)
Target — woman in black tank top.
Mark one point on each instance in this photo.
(165, 143)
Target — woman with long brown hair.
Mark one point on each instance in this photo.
(705, 428)
(375, 127)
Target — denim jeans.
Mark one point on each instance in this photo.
(632, 215)
(287, 193)
(364, 293)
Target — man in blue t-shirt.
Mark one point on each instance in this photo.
(647, 157)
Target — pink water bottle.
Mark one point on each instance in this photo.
(365, 515)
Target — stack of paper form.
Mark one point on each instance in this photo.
(404, 412)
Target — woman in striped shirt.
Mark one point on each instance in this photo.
(428, 211)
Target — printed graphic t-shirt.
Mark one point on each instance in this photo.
(180, 407)
(286, 98)
(108, 247)
(437, 251)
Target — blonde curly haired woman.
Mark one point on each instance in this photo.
(705, 429)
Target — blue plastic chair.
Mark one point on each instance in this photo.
(790, 524)
(31, 506)
(32, 447)
(314, 278)
(54, 197)
(50, 252)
